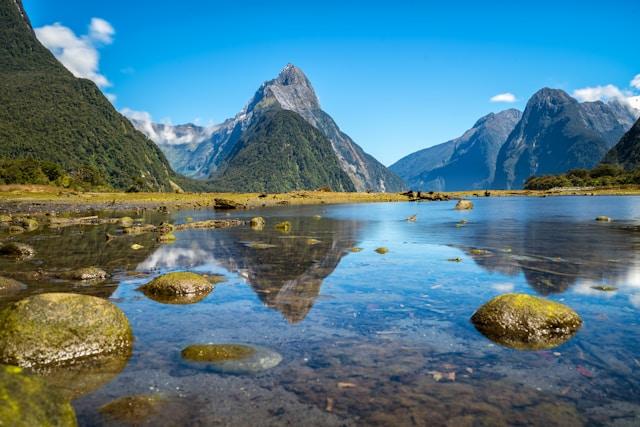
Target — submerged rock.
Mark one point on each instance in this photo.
(5, 218)
(259, 245)
(126, 221)
(136, 247)
(257, 223)
(178, 288)
(464, 205)
(28, 224)
(284, 226)
(10, 286)
(61, 327)
(17, 250)
(312, 241)
(604, 288)
(233, 358)
(526, 322)
(603, 218)
(167, 237)
(86, 273)
(355, 249)
(28, 401)
(133, 410)
(16, 229)
(382, 250)
(224, 204)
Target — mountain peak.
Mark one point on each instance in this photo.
(291, 76)
(549, 97)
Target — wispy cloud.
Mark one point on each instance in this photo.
(79, 54)
(166, 133)
(628, 96)
(507, 97)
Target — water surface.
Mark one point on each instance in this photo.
(370, 339)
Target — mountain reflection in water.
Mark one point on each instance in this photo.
(286, 270)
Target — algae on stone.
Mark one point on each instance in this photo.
(526, 322)
(232, 358)
(382, 250)
(284, 226)
(257, 223)
(178, 284)
(133, 410)
(59, 328)
(27, 401)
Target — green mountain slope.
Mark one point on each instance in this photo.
(281, 152)
(48, 114)
(626, 152)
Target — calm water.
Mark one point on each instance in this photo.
(371, 339)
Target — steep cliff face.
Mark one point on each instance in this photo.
(627, 152)
(291, 90)
(465, 163)
(48, 114)
(556, 134)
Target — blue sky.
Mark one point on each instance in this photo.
(396, 76)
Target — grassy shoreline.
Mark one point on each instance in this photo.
(33, 198)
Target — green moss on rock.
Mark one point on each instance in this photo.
(133, 410)
(16, 250)
(526, 322)
(178, 284)
(382, 250)
(257, 223)
(284, 226)
(217, 353)
(27, 401)
(60, 328)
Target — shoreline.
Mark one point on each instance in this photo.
(31, 199)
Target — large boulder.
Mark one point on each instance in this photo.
(526, 322)
(226, 204)
(28, 401)
(58, 328)
(179, 288)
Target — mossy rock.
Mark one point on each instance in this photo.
(17, 250)
(166, 228)
(27, 401)
(167, 237)
(61, 328)
(178, 288)
(28, 224)
(232, 358)
(16, 229)
(5, 218)
(257, 223)
(355, 249)
(126, 221)
(10, 286)
(603, 218)
(284, 226)
(526, 322)
(601, 288)
(464, 205)
(133, 410)
(137, 247)
(139, 229)
(86, 273)
(479, 252)
(382, 250)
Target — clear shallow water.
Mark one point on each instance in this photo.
(374, 339)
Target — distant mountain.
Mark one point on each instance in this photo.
(48, 114)
(292, 91)
(627, 151)
(465, 163)
(281, 152)
(557, 133)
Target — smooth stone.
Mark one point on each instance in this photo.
(133, 410)
(167, 237)
(604, 288)
(16, 229)
(178, 284)
(312, 242)
(284, 226)
(61, 328)
(355, 249)
(5, 218)
(28, 401)
(464, 205)
(18, 250)
(526, 322)
(603, 218)
(136, 247)
(28, 224)
(232, 358)
(126, 221)
(260, 245)
(382, 250)
(86, 273)
(10, 286)
(257, 223)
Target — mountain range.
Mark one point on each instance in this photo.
(48, 114)
(555, 133)
(208, 153)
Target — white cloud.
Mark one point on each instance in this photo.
(111, 97)
(101, 31)
(79, 54)
(504, 97)
(167, 133)
(504, 287)
(628, 97)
